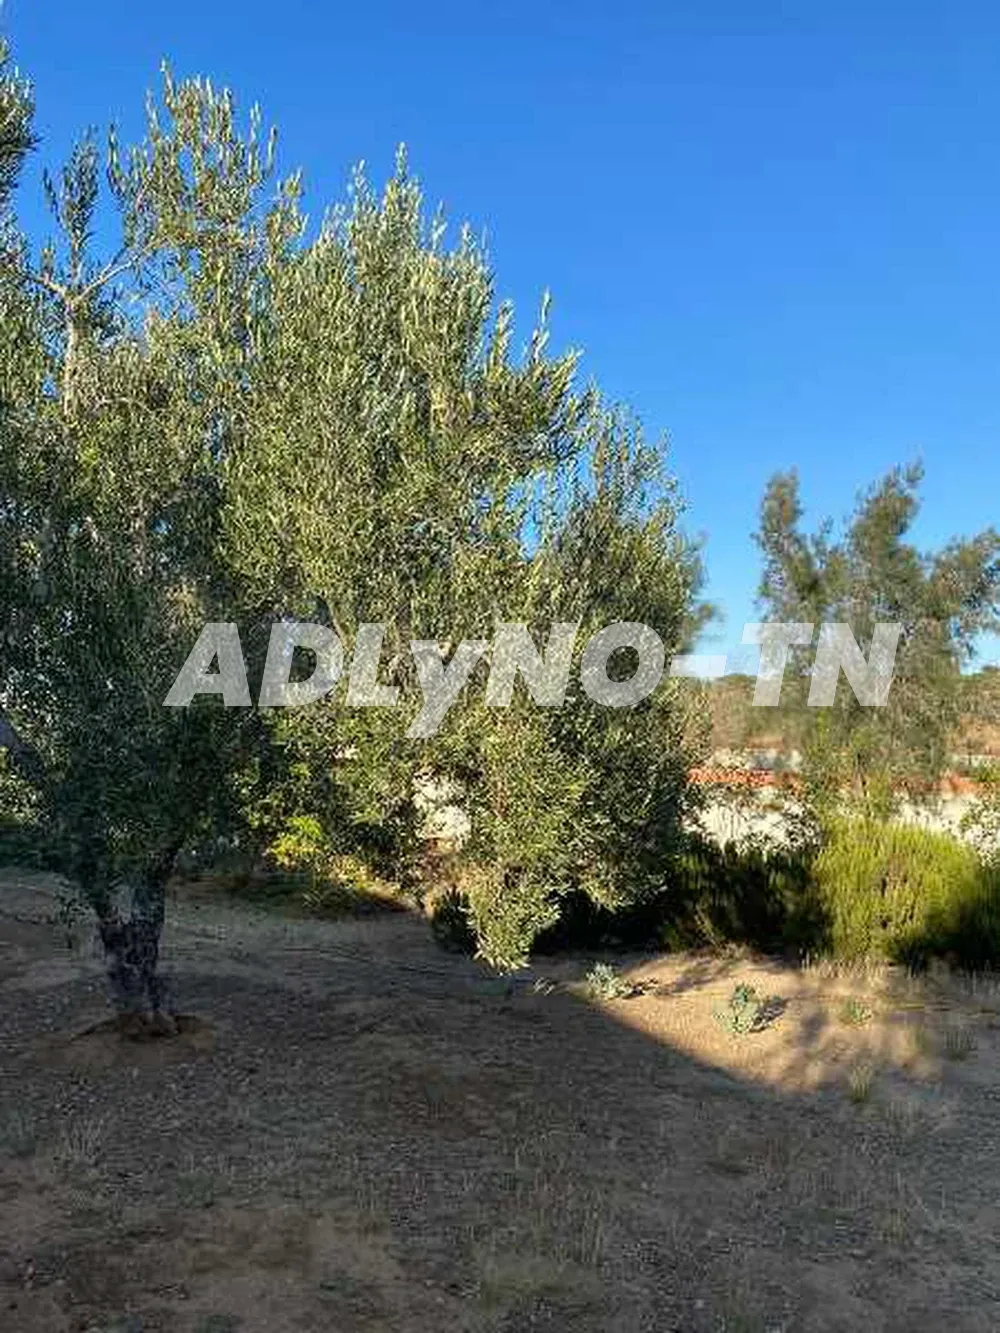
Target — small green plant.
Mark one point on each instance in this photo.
(604, 983)
(854, 1012)
(860, 1083)
(747, 1011)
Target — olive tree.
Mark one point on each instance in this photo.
(399, 465)
(232, 419)
(116, 383)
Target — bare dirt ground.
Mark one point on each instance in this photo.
(362, 1133)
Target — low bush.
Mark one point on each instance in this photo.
(763, 897)
(604, 983)
(713, 896)
(870, 889)
(325, 881)
(906, 894)
(747, 1011)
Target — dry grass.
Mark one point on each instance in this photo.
(860, 1084)
(367, 1134)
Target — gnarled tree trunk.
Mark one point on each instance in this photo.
(132, 951)
(131, 944)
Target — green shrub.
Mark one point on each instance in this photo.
(604, 983)
(585, 925)
(871, 890)
(747, 1011)
(758, 896)
(506, 911)
(712, 896)
(854, 1013)
(905, 894)
(328, 881)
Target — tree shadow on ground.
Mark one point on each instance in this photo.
(386, 1138)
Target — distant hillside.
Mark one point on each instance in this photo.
(980, 730)
(737, 725)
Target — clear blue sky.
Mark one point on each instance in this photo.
(773, 229)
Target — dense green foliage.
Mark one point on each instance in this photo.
(871, 889)
(904, 893)
(713, 897)
(232, 419)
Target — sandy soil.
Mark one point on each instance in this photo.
(358, 1132)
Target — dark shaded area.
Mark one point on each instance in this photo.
(715, 896)
(23, 843)
(888, 892)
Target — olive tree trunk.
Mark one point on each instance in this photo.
(132, 952)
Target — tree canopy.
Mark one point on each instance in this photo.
(230, 417)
